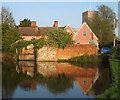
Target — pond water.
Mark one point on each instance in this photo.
(28, 79)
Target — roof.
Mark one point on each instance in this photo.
(35, 31)
(45, 30)
(28, 31)
(74, 31)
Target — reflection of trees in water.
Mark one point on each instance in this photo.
(60, 84)
(10, 79)
(55, 84)
(27, 85)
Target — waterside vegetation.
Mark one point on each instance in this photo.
(113, 91)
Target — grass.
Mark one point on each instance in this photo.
(112, 92)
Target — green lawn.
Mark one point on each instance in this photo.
(112, 92)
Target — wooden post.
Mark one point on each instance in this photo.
(114, 36)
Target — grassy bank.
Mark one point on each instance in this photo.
(88, 60)
(112, 92)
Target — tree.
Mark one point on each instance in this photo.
(107, 14)
(25, 23)
(9, 31)
(59, 38)
(102, 25)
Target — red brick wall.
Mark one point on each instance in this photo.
(75, 50)
(48, 53)
(24, 51)
(84, 39)
(28, 50)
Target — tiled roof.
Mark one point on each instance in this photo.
(35, 31)
(74, 29)
(45, 30)
(28, 31)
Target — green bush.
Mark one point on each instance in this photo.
(115, 53)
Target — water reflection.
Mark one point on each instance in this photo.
(85, 78)
(60, 79)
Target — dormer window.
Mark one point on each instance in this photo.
(84, 33)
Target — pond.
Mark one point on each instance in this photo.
(28, 79)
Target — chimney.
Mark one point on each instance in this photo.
(55, 24)
(33, 23)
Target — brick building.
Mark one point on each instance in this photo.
(28, 33)
(85, 35)
(87, 16)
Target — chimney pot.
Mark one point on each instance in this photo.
(33, 23)
(55, 24)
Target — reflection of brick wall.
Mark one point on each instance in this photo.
(26, 57)
(46, 68)
(75, 50)
(74, 71)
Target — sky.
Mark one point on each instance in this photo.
(45, 13)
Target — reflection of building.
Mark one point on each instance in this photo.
(26, 67)
(85, 83)
(27, 84)
(85, 78)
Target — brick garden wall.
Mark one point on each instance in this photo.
(76, 50)
(52, 54)
(46, 54)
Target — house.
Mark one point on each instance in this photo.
(28, 33)
(85, 35)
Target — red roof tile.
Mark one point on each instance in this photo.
(37, 31)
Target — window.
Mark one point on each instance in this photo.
(32, 38)
(91, 42)
(78, 43)
(84, 33)
(85, 82)
(68, 30)
(23, 38)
